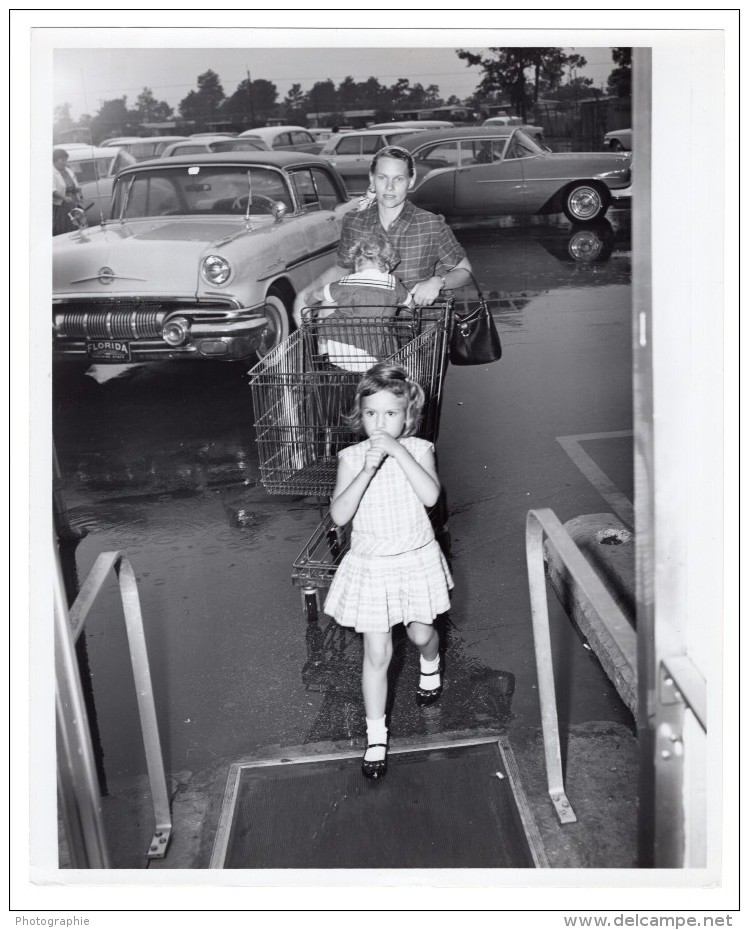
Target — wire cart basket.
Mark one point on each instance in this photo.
(301, 392)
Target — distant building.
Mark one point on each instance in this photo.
(356, 118)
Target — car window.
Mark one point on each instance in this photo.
(121, 160)
(200, 189)
(371, 144)
(481, 151)
(90, 170)
(231, 146)
(395, 138)
(189, 149)
(349, 146)
(282, 139)
(150, 196)
(142, 150)
(301, 138)
(315, 189)
(440, 155)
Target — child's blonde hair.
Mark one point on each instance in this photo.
(386, 377)
(373, 248)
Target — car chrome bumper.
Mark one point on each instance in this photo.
(125, 331)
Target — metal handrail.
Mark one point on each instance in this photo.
(106, 562)
(540, 523)
(78, 788)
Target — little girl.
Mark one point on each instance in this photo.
(371, 291)
(395, 571)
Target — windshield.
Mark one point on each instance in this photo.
(199, 189)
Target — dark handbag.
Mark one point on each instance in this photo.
(474, 339)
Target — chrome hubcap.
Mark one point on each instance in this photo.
(585, 202)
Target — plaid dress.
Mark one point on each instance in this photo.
(395, 571)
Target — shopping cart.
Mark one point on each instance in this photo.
(301, 393)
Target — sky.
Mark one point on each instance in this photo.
(84, 77)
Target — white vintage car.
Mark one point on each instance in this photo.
(201, 259)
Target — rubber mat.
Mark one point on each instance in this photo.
(436, 808)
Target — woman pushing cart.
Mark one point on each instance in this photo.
(311, 399)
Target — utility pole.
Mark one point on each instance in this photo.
(252, 102)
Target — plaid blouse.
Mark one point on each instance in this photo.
(423, 240)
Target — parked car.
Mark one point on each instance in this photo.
(536, 132)
(201, 145)
(202, 258)
(323, 133)
(501, 170)
(415, 124)
(351, 153)
(285, 138)
(143, 147)
(95, 168)
(618, 140)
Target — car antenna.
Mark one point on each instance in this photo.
(247, 222)
(98, 192)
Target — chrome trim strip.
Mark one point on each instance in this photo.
(320, 253)
(114, 277)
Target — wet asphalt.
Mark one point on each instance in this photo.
(161, 464)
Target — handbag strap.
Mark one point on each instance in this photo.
(475, 284)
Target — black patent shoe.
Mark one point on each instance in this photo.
(426, 697)
(376, 768)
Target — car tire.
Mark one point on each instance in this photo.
(279, 322)
(616, 146)
(585, 246)
(584, 203)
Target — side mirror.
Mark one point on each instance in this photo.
(279, 211)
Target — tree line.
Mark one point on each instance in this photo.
(510, 77)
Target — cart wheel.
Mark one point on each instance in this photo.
(310, 606)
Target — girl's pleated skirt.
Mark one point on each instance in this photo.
(372, 593)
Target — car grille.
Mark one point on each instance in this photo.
(121, 319)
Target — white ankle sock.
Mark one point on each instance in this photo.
(377, 732)
(429, 681)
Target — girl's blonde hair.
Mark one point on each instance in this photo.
(372, 248)
(386, 377)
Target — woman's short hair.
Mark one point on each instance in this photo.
(372, 248)
(387, 377)
(394, 151)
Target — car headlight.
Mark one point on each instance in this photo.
(175, 331)
(216, 269)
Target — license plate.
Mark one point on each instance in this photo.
(108, 350)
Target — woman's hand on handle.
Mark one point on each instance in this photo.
(426, 292)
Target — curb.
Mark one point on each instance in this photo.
(609, 546)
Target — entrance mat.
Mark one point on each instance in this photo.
(441, 807)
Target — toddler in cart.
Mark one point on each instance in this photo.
(356, 333)
(395, 571)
